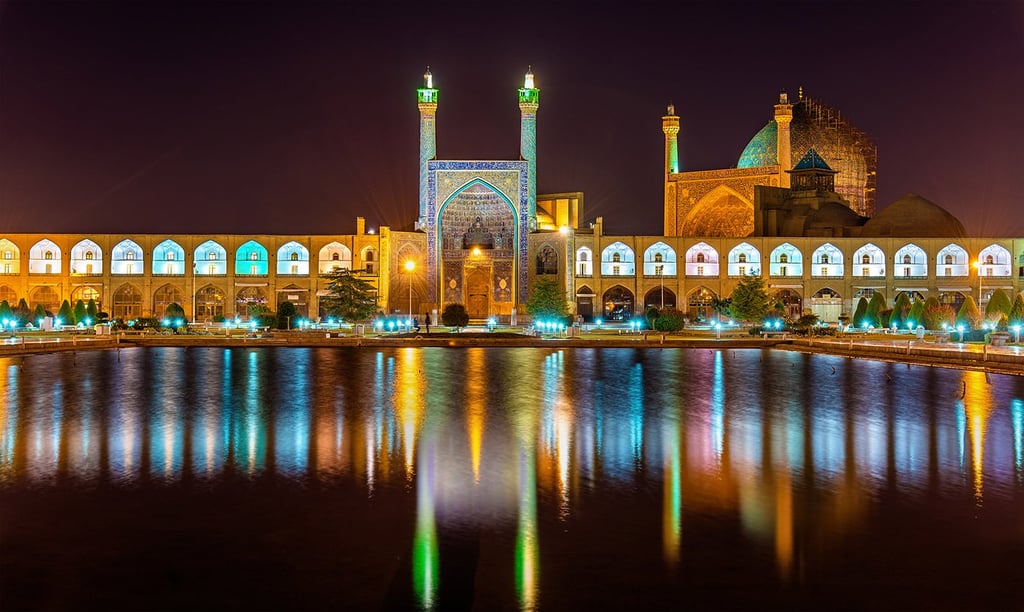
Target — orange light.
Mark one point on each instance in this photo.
(410, 265)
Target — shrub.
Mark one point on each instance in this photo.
(455, 315)
(669, 320)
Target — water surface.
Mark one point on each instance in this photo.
(490, 478)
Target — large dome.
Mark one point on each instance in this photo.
(846, 149)
(914, 217)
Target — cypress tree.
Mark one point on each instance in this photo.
(65, 314)
(875, 306)
(899, 310)
(916, 314)
(969, 315)
(80, 312)
(860, 312)
(1016, 316)
(998, 306)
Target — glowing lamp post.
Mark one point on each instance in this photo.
(960, 328)
(410, 267)
(1016, 334)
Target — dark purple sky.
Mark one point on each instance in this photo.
(286, 117)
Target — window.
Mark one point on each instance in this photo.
(49, 268)
(700, 270)
(824, 271)
(295, 267)
(783, 270)
(865, 271)
(88, 268)
(254, 270)
(130, 256)
(212, 269)
(658, 257)
(212, 256)
(906, 259)
(88, 256)
(616, 257)
(824, 259)
(906, 271)
(254, 256)
(743, 269)
(742, 258)
(784, 258)
(989, 260)
(8, 255)
(949, 260)
(615, 269)
(335, 257)
(49, 255)
(659, 270)
(295, 257)
(369, 257)
(866, 259)
(700, 257)
(583, 256)
(949, 271)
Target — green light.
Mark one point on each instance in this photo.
(426, 96)
(529, 96)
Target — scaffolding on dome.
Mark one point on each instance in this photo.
(837, 151)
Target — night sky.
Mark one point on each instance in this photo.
(288, 117)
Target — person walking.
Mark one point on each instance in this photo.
(426, 321)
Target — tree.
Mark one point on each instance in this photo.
(349, 298)
(65, 314)
(174, 312)
(935, 314)
(92, 311)
(969, 315)
(80, 312)
(547, 299)
(875, 305)
(1016, 316)
(38, 314)
(455, 315)
(285, 315)
(651, 315)
(22, 312)
(999, 306)
(860, 314)
(899, 310)
(916, 314)
(6, 314)
(750, 301)
(669, 320)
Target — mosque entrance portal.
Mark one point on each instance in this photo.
(478, 281)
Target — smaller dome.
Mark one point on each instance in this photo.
(914, 217)
(834, 214)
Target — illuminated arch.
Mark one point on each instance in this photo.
(786, 260)
(10, 257)
(251, 259)
(952, 260)
(910, 261)
(126, 258)
(827, 260)
(722, 212)
(744, 259)
(44, 258)
(293, 259)
(617, 260)
(869, 261)
(334, 256)
(701, 260)
(86, 258)
(994, 260)
(584, 262)
(211, 259)
(659, 260)
(168, 259)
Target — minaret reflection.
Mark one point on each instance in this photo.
(476, 405)
(527, 561)
(409, 393)
(977, 404)
(426, 562)
(671, 522)
(8, 421)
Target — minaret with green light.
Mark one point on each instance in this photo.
(426, 98)
(529, 101)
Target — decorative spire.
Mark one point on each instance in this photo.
(800, 94)
(428, 79)
(528, 81)
(783, 97)
(671, 111)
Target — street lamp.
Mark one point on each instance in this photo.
(410, 266)
(977, 268)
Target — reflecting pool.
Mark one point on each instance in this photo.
(491, 478)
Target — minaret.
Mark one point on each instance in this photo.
(670, 125)
(426, 98)
(529, 101)
(783, 117)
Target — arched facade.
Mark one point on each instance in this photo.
(617, 260)
(660, 297)
(868, 262)
(86, 259)
(126, 259)
(44, 258)
(86, 293)
(209, 304)
(211, 259)
(618, 304)
(10, 258)
(168, 259)
(47, 297)
(786, 261)
(827, 261)
(701, 260)
(251, 259)
(700, 305)
(334, 256)
(127, 302)
(584, 262)
(660, 260)
(910, 261)
(293, 260)
(952, 260)
(994, 260)
(744, 260)
(165, 296)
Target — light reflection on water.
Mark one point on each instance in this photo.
(523, 440)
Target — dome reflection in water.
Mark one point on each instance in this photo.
(504, 478)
